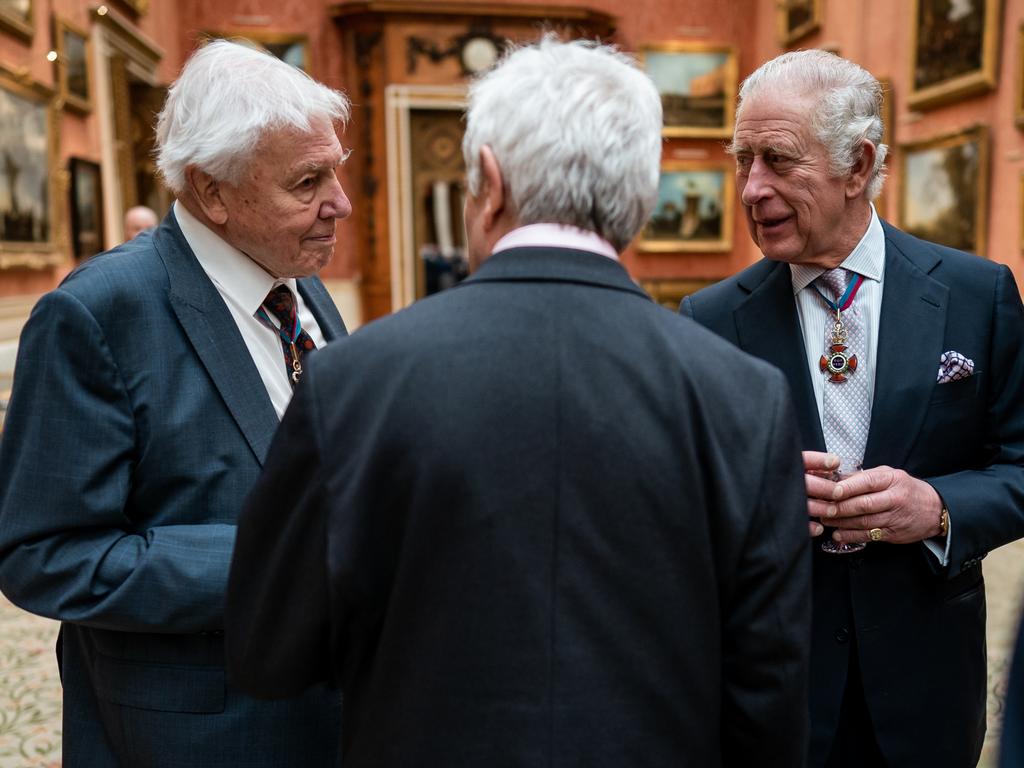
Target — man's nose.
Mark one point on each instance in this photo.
(757, 185)
(336, 205)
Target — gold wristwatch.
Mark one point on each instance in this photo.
(944, 523)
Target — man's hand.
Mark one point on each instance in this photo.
(904, 508)
(818, 477)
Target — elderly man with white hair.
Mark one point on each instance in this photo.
(146, 391)
(571, 531)
(905, 362)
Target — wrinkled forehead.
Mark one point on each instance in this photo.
(771, 113)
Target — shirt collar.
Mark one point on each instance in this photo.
(867, 258)
(556, 236)
(236, 275)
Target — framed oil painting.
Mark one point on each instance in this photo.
(16, 17)
(888, 115)
(28, 178)
(796, 19)
(694, 211)
(944, 189)
(953, 49)
(72, 45)
(1019, 87)
(697, 83)
(86, 208)
(292, 49)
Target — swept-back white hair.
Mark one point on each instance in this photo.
(848, 105)
(576, 130)
(227, 98)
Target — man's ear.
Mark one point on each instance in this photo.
(860, 173)
(492, 189)
(208, 194)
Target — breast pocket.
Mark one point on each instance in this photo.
(955, 391)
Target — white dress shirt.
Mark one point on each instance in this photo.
(244, 285)
(867, 259)
(555, 236)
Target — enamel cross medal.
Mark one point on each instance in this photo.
(838, 362)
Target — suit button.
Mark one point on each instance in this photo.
(842, 635)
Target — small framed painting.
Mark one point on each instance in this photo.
(944, 188)
(697, 83)
(796, 19)
(72, 64)
(953, 48)
(86, 208)
(694, 211)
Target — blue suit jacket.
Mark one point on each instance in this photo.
(137, 424)
(920, 629)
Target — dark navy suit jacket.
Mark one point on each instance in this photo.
(548, 524)
(920, 629)
(137, 424)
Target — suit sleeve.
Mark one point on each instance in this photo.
(986, 503)
(766, 637)
(67, 548)
(277, 618)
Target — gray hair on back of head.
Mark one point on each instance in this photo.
(848, 105)
(228, 97)
(576, 130)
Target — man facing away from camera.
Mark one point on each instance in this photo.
(903, 357)
(571, 530)
(146, 392)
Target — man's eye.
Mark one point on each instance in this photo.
(744, 161)
(307, 182)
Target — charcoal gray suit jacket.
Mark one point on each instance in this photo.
(549, 523)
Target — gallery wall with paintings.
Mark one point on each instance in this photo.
(80, 83)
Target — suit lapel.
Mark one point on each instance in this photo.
(213, 333)
(911, 333)
(767, 327)
(322, 306)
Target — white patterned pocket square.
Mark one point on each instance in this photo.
(953, 366)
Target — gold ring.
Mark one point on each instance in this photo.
(875, 534)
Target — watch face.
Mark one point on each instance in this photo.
(478, 54)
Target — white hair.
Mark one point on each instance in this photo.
(227, 98)
(576, 130)
(847, 109)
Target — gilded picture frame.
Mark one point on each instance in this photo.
(86, 197)
(697, 83)
(888, 116)
(16, 17)
(796, 19)
(953, 50)
(944, 188)
(73, 74)
(32, 230)
(1019, 99)
(292, 49)
(695, 209)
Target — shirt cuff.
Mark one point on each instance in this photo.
(941, 551)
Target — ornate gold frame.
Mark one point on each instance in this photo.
(967, 84)
(55, 250)
(16, 24)
(61, 27)
(888, 116)
(729, 86)
(789, 36)
(716, 245)
(670, 293)
(1019, 101)
(975, 133)
(264, 39)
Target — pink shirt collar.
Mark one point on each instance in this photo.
(556, 236)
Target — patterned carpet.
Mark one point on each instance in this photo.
(30, 689)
